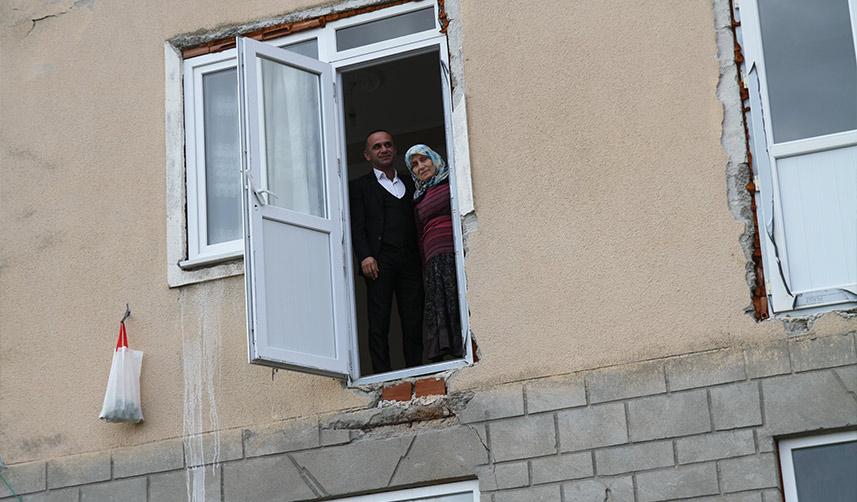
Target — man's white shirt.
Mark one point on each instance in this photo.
(395, 186)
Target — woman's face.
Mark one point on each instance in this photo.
(422, 167)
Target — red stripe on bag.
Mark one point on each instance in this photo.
(122, 342)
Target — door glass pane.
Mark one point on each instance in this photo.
(810, 65)
(385, 29)
(308, 48)
(826, 473)
(222, 162)
(291, 114)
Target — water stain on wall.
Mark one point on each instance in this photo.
(48, 239)
(30, 159)
(201, 365)
(36, 444)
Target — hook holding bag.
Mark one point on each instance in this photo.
(122, 398)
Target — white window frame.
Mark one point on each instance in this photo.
(207, 262)
(409, 495)
(787, 463)
(199, 252)
(766, 152)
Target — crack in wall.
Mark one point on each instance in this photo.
(401, 457)
(74, 5)
(309, 479)
(839, 379)
(492, 461)
(38, 19)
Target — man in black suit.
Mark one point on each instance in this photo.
(384, 237)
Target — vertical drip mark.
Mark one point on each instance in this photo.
(190, 424)
(202, 376)
(213, 369)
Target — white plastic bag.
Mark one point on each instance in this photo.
(122, 399)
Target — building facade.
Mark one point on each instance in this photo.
(657, 262)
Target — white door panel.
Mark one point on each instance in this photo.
(819, 207)
(294, 273)
(298, 292)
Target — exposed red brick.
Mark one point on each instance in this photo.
(442, 17)
(398, 392)
(759, 295)
(430, 387)
(195, 51)
(288, 29)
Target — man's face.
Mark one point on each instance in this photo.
(380, 150)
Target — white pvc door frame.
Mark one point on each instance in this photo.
(398, 51)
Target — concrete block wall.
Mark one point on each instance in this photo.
(700, 427)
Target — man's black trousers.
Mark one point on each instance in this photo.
(400, 274)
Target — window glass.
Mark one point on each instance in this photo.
(293, 144)
(222, 173)
(308, 48)
(826, 473)
(810, 65)
(385, 29)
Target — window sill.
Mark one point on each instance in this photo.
(207, 268)
(214, 259)
(419, 371)
(845, 309)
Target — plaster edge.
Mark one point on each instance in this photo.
(732, 138)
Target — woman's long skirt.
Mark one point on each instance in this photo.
(441, 315)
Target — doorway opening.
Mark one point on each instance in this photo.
(404, 96)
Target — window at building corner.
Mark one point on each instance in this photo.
(801, 71)
(820, 468)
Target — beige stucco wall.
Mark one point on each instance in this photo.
(603, 232)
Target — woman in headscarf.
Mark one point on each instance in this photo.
(433, 215)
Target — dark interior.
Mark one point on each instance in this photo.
(404, 97)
